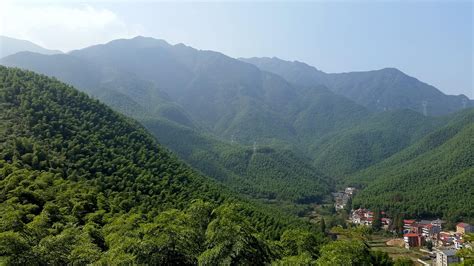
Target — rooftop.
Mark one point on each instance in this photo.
(448, 252)
(463, 225)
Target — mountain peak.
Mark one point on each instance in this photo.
(144, 41)
(391, 70)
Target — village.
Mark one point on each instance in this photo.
(424, 236)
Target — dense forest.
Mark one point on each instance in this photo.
(313, 134)
(81, 184)
(264, 173)
(431, 178)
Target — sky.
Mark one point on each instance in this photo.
(429, 40)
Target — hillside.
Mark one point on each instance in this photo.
(267, 174)
(9, 46)
(83, 184)
(371, 141)
(379, 90)
(431, 178)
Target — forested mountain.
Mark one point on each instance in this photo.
(81, 184)
(371, 141)
(225, 96)
(266, 173)
(9, 46)
(165, 119)
(380, 90)
(431, 178)
(210, 109)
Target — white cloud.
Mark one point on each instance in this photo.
(63, 27)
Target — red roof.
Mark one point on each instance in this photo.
(463, 225)
(408, 221)
(411, 235)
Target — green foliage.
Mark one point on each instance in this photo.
(377, 220)
(380, 258)
(345, 252)
(403, 261)
(231, 240)
(370, 141)
(82, 184)
(440, 163)
(467, 253)
(269, 174)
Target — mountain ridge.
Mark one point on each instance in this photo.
(9, 46)
(384, 89)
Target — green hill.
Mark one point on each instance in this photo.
(431, 178)
(371, 141)
(82, 184)
(268, 173)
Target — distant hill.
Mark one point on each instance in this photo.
(9, 46)
(222, 95)
(431, 178)
(380, 90)
(83, 184)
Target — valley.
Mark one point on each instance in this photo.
(137, 151)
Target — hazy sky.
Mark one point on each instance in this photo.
(430, 40)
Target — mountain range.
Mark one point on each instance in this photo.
(266, 128)
(379, 90)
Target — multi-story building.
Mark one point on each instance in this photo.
(430, 230)
(407, 225)
(446, 257)
(413, 240)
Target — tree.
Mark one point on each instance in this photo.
(170, 239)
(15, 250)
(231, 240)
(323, 225)
(377, 220)
(467, 254)
(299, 241)
(345, 252)
(381, 258)
(429, 245)
(348, 206)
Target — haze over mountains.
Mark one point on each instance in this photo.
(9, 46)
(384, 89)
(253, 122)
